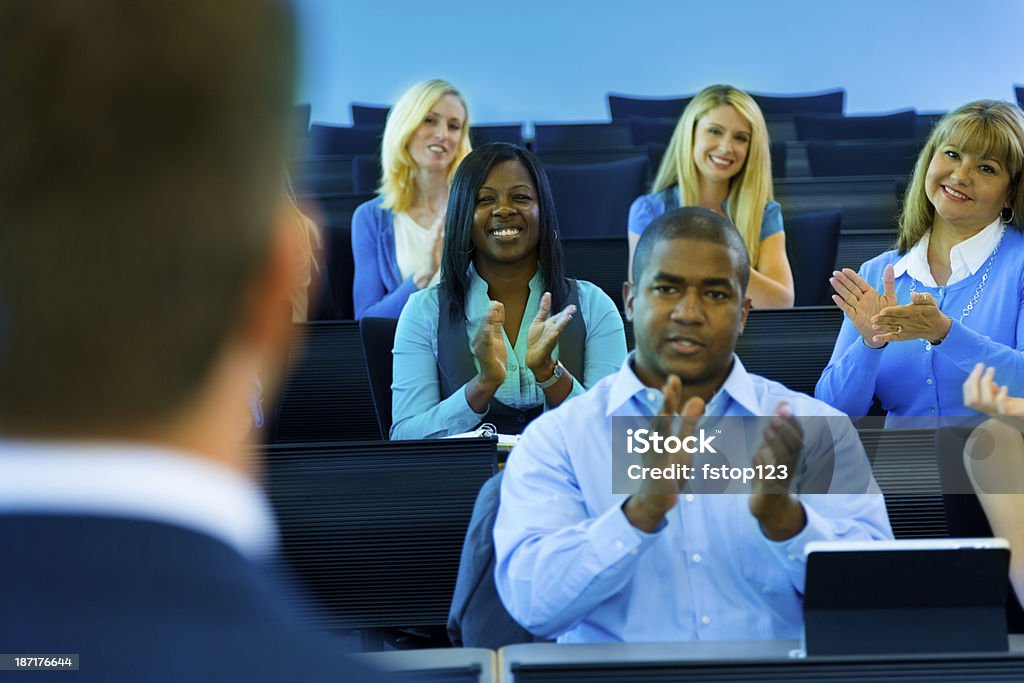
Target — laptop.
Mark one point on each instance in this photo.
(906, 597)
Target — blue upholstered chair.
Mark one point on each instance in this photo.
(898, 125)
(812, 240)
(333, 140)
(592, 200)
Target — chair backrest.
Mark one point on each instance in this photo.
(574, 157)
(906, 468)
(925, 122)
(366, 173)
(315, 175)
(827, 101)
(592, 200)
(329, 140)
(326, 394)
(812, 240)
(867, 202)
(788, 345)
(842, 158)
(374, 530)
(858, 246)
(898, 125)
(599, 260)
(580, 135)
(335, 218)
(644, 130)
(370, 114)
(1018, 90)
(622, 107)
(378, 335)
(503, 132)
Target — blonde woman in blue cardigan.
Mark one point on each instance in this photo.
(397, 236)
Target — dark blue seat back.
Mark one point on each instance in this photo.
(592, 200)
(549, 136)
(326, 394)
(598, 260)
(366, 173)
(624, 106)
(315, 175)
(898, 125)
(841, 158)
(374, 530)
(812, 240)
(827, 101)
(330, 140)
(644, 130)
(335, 220)
(511, 133)
(370, 114)
(378, 335)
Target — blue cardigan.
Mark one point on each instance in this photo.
(911, 380)
(378, 289)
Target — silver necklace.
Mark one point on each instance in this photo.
(977, 290)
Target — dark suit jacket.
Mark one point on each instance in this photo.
(145, 601)
(477, 617)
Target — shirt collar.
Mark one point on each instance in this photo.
(965, 258)
(136, 481)
(478, 286)
(738, 387)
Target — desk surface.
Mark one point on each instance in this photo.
(734, 653)
(434, 659)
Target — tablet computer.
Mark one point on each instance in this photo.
(906, 596)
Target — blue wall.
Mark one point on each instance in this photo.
(556, 59)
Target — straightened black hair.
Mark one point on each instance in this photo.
(458, 230)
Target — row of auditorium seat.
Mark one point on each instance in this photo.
(641, 130)
(339, 383)
(374, 529)
(814, 159)
(819, 240)
(867, 203)
(811, 135)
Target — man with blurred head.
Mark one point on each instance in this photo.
(143, 255)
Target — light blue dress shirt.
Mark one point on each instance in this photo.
(417, 409)
(571, 566)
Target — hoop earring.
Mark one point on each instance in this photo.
(1006, 218)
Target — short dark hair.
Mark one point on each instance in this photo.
(458, 230)
(142, 163)
(695, 223)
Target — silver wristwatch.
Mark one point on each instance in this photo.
(553, 379)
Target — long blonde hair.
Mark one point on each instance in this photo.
(985, 128)
(308, 248)
(398, 184)
(749, 190)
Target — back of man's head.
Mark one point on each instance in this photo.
(696, 223)
(141, 164)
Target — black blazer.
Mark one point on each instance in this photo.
(146, 601)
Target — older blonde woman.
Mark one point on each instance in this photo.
(719, 158)
(397, 236)
(919, 317)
